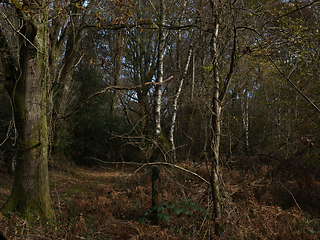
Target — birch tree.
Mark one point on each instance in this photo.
(161, 49)
(175, 108)
(160, 137)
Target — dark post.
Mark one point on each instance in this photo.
(155, 190)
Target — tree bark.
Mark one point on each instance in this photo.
(215, 121)
(175, 109)
(162, 145)
(42, 57)
(161, 48)
(30, 194)
(216, 131)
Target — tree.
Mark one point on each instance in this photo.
(26, 82)
(46, 36)
(223, 20)
(160, 66)
(175, 109)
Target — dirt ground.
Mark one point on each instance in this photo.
(112, 202)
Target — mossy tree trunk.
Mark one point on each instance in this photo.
(38, 55)
(26, 83)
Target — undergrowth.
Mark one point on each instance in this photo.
(109, 203)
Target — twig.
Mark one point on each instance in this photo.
(78, 61)
(175, 166)
(8, 133)
(132, 163)
(292, 196)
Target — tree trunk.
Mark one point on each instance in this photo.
(176, 97)
(163, 145)
(219, 92)
(161, 47)
(245, 117)
(117, 68)
(193, 73)
(30, 194)
(216, 131)
(175, 109)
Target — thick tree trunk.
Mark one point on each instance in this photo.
(30, 194)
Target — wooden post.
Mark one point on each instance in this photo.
(155, 190)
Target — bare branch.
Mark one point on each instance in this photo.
(294, 199)
(155, 163)
(231, 68)
(175, 166)
(142, 24)
(129, 163)
(291, 12)
(109, 88)
(11, 125)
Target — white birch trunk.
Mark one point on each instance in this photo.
(175, 109)
(193, 74)
(161, 48)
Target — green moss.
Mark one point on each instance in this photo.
(164, 142)
(29, 210)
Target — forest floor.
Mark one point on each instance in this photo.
(111, 202)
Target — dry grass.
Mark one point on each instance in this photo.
(107, 204)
